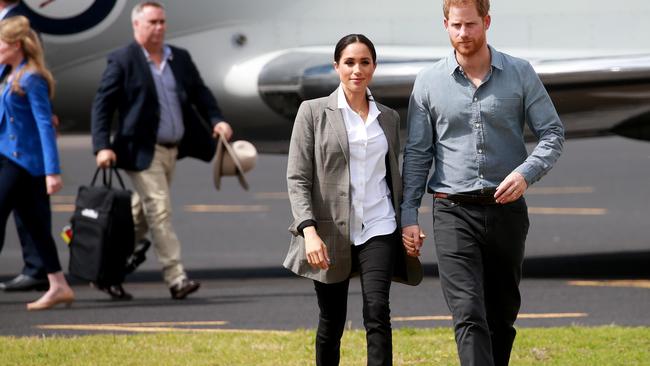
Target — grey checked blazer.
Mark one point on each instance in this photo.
(318, 181)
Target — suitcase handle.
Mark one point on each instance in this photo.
(108, 182)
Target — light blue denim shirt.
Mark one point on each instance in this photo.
(475, 136)
(170, 126)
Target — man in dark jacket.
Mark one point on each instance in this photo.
(156, 90)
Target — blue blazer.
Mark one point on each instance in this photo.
(27, 136)
(127, 87)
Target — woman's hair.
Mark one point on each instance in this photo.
(17, 29)
(350, 39)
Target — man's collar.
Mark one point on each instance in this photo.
(167, 53)
(496, 60)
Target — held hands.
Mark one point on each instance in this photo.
(412, 239)
(315, 248)
(511, 188)
(105, 158)
(222, 128)
(53, 183)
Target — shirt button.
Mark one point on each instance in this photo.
(477, 125)
(480, 151)
(15, 154)
(475, 99)
(481, 176)
(12, 137)
(11, 119)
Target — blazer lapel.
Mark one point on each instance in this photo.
(335, 120)
(143, 65)
(177, 69)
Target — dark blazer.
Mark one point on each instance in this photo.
(128, 87)
(17, 10)
(318, 181)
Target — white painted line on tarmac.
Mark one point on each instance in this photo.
(157, 327)
(226, 208)
(60, 207)
(569, 211)
(575, 211)
(560, 190)
(191, 208)
(272, 195)
(520, 316)
(613, 283)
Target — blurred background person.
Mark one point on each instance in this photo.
(156, 91)
(33, 274)
(29, 162)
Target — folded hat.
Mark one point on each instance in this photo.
(233, 159)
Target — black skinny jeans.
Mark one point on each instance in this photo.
(374, 262)
(27, 195)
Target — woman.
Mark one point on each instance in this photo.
(29, 163)
(345, 191)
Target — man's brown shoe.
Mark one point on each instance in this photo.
(181, 290)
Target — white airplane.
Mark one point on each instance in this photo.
(262, 58)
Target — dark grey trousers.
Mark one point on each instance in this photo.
(480, 252)
(374, 262)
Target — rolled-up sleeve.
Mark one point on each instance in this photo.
(544, 122)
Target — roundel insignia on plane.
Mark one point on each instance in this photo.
(66, 18)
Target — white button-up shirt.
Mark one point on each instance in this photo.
(372, 213)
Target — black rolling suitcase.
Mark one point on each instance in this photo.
(102, 231)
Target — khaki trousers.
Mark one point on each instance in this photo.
(152, 211)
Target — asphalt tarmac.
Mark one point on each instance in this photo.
(587, 256)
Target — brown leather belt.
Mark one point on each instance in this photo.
(168, 145)
(482, 197)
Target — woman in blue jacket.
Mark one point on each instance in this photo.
(29, 162)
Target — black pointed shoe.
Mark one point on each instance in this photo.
(25, 283)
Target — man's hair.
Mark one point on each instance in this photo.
(482, 6)
(137, 10)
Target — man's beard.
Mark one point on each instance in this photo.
(468, 48)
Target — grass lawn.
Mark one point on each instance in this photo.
(565, 346)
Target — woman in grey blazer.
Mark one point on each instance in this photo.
(345, 191)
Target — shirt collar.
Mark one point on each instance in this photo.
(496, 60)
(167, 53)
(343, 103)
(373, 111)
(6, 10)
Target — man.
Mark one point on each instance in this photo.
(33, 275)
(467, 114)
(154, 87)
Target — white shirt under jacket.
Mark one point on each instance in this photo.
(372, 213)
